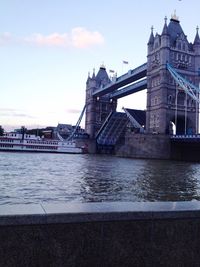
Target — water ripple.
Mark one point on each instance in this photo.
(58, 178)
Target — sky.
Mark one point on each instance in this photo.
(48, 47)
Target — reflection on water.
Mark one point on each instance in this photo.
(36, 178)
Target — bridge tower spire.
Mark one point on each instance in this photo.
(167, 103)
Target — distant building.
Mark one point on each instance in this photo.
(65, 130)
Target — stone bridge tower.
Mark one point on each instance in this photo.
(97, 108)
(167, 103)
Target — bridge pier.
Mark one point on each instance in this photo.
(187, 149)
(149, 146)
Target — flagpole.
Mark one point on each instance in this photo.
(124, 62)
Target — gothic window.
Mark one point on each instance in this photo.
(154, 120)
(179, 45)
(181, 98)
(157, 121)
(155, 100)
(183, 46)
(170, 99)
(192, 103)
(185, 58)
(181, 57)
(156, 45)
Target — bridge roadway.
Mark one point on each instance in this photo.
(127, 78)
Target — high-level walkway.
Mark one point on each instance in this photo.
(129, 77)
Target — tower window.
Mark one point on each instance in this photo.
(181, 98)
(170, 99)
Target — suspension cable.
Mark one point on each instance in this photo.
(176, 108)
(188, 87)
(185, 114)
(77, 125)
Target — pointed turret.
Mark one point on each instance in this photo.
(151, 38)
(196, 44)
(151, 41)
(197, 39)
(102, 76)
(165, 28)
(165, 35)
(93, 75)
(88, 79)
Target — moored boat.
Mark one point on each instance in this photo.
(31, 143)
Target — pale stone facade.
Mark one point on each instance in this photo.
(167, 103)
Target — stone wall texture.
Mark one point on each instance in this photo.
(103, 234)
(153, 146)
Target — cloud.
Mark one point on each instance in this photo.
(9, 112)
(78, 37)
(6, 38)
(82, 38)
(54, 39)
(73, 111)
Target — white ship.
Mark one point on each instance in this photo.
(32, 143)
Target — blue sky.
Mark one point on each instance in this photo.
(47, 48)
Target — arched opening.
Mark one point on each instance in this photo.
(172, 128)
(180, 125)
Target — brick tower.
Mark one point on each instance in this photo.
(97, 108)
(167, 103)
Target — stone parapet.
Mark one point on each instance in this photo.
(101, 234)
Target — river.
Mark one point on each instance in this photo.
(59, 178)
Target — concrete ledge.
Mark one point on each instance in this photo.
(91, 212)
(101, 234)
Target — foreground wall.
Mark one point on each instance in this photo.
(152, 146)
(101, 234)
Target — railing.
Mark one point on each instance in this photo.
(135, 71)
(185, 136)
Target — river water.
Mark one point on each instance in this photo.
(59, 178)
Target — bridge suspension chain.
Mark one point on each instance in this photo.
(77, 124)
(188, 87)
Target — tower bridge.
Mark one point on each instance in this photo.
(171, 76)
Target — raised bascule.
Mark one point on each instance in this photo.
(171, 76)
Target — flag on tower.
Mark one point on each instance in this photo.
(125, 62)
